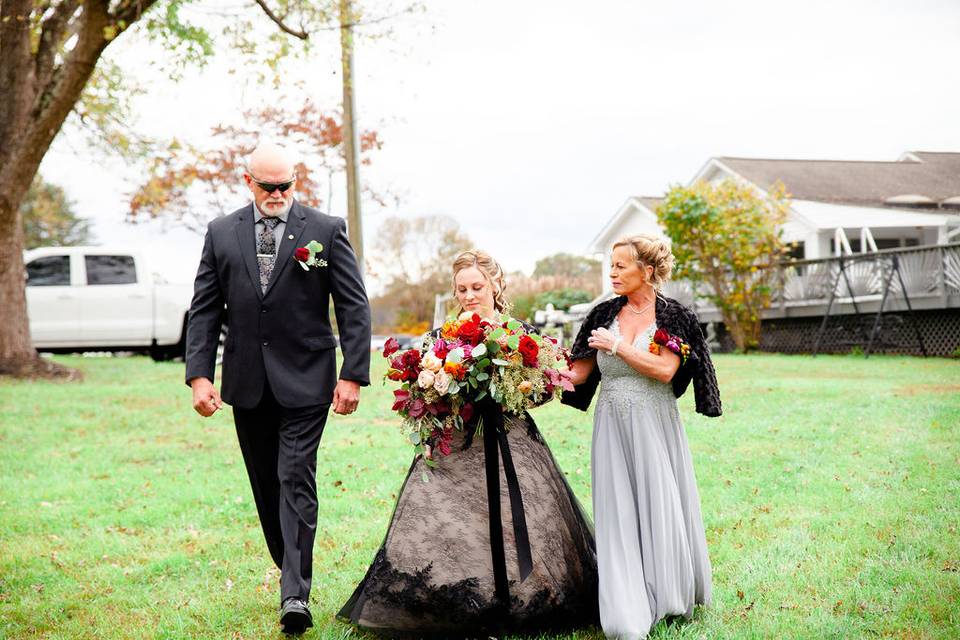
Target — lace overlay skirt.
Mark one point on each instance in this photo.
(433, 575)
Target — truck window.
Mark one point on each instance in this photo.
(110, 270)
(49, 271)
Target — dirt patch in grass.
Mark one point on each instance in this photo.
(910, 390)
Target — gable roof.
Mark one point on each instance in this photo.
(649, 202)
(932, 175)
(599, 242)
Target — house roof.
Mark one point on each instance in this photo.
(600, 241)
(931, 175)
(822, 215)
(649, 202)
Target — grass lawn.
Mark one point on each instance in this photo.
(829, 490)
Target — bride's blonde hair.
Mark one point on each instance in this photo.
(490, 269)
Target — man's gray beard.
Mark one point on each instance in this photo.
(274, 213)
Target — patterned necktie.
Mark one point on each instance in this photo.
(266, 250)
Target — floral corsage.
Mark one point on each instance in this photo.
(674, 343)
(309, 256)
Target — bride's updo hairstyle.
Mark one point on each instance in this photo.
(490, 269)
(649, 250)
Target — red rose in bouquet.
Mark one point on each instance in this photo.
(529, 350)
(440, 348)
(405, 366)
(471, 332)
(661, 336)
(390, 347)
(301, 254)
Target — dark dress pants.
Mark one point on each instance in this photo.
(279, 448)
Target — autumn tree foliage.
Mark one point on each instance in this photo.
(56, 69)
(49, 218)
(725, 237)
(194, 183)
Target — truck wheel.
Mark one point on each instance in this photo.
(164, 354)
(173, 351)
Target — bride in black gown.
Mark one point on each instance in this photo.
(456, 564)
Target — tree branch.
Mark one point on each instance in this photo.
(52, 34)
(279, 21)
(129, 12)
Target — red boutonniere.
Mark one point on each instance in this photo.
(674, 343)
(309, 256)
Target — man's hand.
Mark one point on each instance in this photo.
(206, 398)
(346, 397)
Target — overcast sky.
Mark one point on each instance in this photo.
(531, 122)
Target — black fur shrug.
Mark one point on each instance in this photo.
(677, 320)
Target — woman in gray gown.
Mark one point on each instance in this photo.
(651, 548)
(496, 542)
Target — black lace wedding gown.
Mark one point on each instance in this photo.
(435, 575)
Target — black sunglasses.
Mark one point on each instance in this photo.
(270, 187)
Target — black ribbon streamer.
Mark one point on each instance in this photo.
(494, 443)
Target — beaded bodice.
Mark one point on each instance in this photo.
(620, 384)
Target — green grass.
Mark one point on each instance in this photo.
(829, 491)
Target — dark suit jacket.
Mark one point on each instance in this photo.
(282, 336)
(675, 319)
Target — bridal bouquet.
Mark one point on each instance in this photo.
(470, 360)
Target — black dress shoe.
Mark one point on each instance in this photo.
(295, 616)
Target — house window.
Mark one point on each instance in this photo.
(796, 250)
(111, 270)
(49, 271)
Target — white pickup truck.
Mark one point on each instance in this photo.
(103, 299)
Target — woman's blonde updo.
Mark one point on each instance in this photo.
(654, 251)
(491, 270)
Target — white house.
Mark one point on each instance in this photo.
(837, 207)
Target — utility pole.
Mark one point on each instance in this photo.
(350, 135)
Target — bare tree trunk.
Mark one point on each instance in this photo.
(37, 93)
(15, 344)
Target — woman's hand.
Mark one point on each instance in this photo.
(580, 370)
(601, 339)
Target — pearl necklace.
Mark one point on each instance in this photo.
(634, 311)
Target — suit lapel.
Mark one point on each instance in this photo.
(296, 223)
(248, 247)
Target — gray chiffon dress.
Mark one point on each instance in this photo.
(651, 547)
